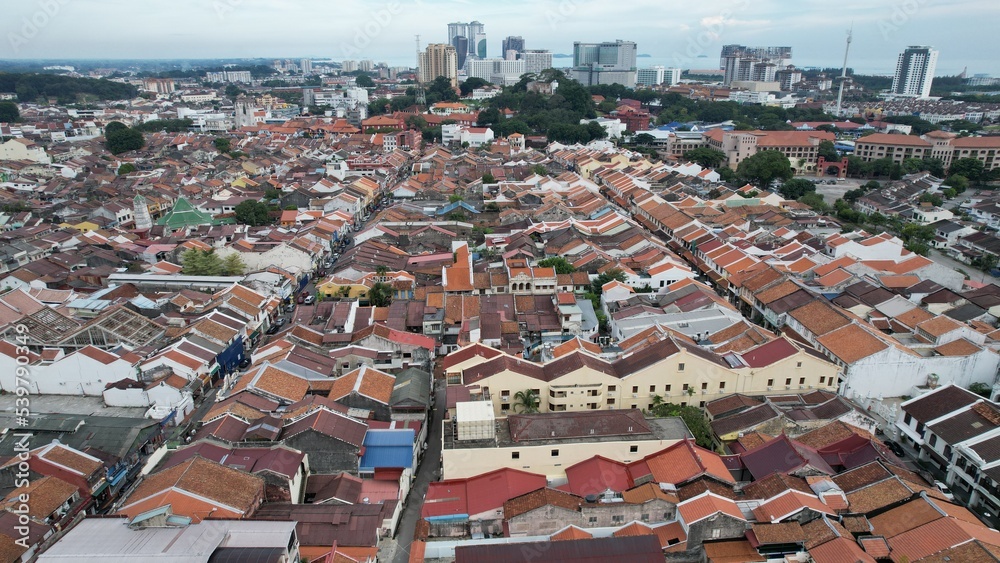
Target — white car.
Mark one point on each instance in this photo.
(944, 490)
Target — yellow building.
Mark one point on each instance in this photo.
(675, 369)
(82, 226)
(342, 288)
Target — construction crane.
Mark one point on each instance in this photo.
(843, 74)
(421, 96)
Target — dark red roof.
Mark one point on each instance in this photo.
(634, 549)
(478, 494)
(769, 353)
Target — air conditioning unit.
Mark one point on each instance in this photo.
(802, 386)
(787, 387)
(770, 388)
(704, 391)
(505, 399)
(635, 395)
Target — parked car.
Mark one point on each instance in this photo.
(245, 363)
(301, 298)
(894, 447)
(310, 299)
(944, 490)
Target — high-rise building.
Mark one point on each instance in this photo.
(436, 60)
(654, 76)
(776, 55)
(349, 66)
(788, 77)
(604, 63)
(512, 43)
(306, 65)
(672, 76)
(535, 60)
(498, 71)
(475, 39)
(915, 71)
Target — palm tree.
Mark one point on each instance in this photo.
(380, 295)
(526, 402)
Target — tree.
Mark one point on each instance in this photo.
(198, 263)
(986, 262)
(561, 265)
(233, 91)
(958, 182)
(764, 167)
(123, 139)
(380, 295)
(706, 157)
(489, 179)
(930, 198)
(253, 213)
(597, 285)
(693, 417)
(971, 168)
(828, 151)
(981, 389)
(9, 112)
(471, 84)
(796, 188)
(540, 169)
(364, 81)
(644, 139)
(815, 201)
(526, 402)
(126, 168)
(233, 265)
(222, 144)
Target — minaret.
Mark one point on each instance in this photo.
(143, 221)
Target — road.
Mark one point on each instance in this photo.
(973, 273)
(429, 470)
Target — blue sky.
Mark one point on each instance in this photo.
(688, 34)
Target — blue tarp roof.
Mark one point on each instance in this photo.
(388, 449)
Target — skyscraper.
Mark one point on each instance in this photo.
(915, 71)
(306, 65)
(752, 63)
(436, 60)
(535, 60)
(512, 43)
(604, 63)
(475, 39)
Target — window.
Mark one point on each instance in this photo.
(802, 381)
(701, 404)
(555, 453)
(633, 449)
(635, 388)
(635, 406)
(798, 364)
(680, 367)
(593, 519)
(685, 386)
(788, 381)
(907, 419)
(722, 385)
(667, 388)
(612, 388)
(505, 406)
(704, 386)
(822, 379)
(611, 401)
(618, 518)
(652, 388)
(770, 383)
(645, 517)
(933, 440)
(515, 455)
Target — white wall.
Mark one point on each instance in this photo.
(75, 374)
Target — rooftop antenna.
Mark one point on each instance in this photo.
(421, 98)
(843, 74)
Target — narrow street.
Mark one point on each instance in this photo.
(430, 466)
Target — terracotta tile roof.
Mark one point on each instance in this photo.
(571, 533)
(699, 508)
(537, 499)
(960, 347)
(787, 532)
(939, 326)
(634, 529)
(819, 317)
(275, 382)
(46, 496)
(775, 484)
(647, 492)
(365, 381)
(852, 343)
(840, 550)
(732, 551)
(879, 495)
(822, 530)
(788, 504)
(209, 480)
(909, 516)
(73, 460)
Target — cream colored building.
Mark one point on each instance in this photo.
(676, 370)
(547, 444)
(439, 59)
(23, 149)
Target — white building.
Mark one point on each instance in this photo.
(915, 71)
(497, 71)
(658, 75)
(535, 60)
(614, 127)
(461, 134)
(23, 149)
